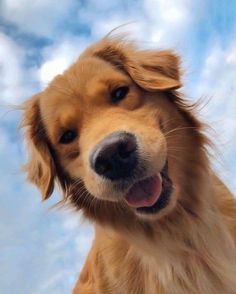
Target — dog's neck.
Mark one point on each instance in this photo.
(187, 248)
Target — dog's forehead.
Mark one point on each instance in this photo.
(83, 85)
(85, 79)
(92, 72)
(90, 67)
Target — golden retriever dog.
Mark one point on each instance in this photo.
(128, 151)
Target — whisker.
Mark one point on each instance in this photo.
(179, 129)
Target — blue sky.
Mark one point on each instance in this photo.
(42, 250)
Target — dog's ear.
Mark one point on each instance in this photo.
(152, 70)
(155, 70)
(40, 167)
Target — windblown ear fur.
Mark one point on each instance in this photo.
(158, 70)
(40, 168)
(152, 70)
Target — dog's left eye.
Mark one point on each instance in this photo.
(68, 137)
(119, 93)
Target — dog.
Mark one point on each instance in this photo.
(129, 152)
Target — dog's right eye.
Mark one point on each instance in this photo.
(119, 93)
(68, 137)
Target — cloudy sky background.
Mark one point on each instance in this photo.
(42, 250)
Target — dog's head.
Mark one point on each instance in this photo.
(115, 135)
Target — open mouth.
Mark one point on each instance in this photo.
(151, 194)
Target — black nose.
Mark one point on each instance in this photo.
(115, 157)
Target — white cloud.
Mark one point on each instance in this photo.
(51, 68)
(168, 11)
(217, 81)
(11, 56)
(58, 57)
(161, 23)
(167, 21)
(40, 17)
(17, 82)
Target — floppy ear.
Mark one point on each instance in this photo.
(40, 168)
(155, 70)
(151, 70)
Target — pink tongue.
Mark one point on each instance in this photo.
(145, 193)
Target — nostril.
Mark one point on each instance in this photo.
(125, 149)
(102, 165)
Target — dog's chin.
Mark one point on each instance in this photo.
(150, 198)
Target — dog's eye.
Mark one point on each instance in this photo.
(68, 137)
(119, 93)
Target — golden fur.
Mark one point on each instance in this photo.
(187, 247)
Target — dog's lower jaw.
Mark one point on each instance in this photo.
(190, 255)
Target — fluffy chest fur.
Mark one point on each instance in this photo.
(200, 260)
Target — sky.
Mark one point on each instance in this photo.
(42, 249)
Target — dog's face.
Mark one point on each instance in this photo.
(113, 133)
